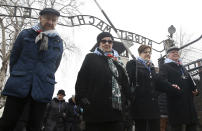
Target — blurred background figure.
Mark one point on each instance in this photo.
(74, 116)
(54, 118)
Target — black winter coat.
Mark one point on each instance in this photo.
(162, 100)
(181, 108)
(54, 118)
(74, 112)
(145, 104)
(94, 82)
(73, 118)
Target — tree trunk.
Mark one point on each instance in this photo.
(2, 81)
(3, 74)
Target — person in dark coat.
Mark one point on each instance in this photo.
(145, 84)
(181, 109)
(54, 118)
(34, 59)
(74, 116)
(102, 87)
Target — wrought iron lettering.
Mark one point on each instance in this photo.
(100, 25)
(79, 20)
(93, 20)
(71, 18)
(107, 28)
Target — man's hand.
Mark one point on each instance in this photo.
(195, 92)
(176, 86)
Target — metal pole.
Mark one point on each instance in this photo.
(113, 27)
(190, 43)
(180, 48)
(133, 88)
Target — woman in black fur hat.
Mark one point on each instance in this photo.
(102, 87)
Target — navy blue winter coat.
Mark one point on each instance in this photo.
(32, 72)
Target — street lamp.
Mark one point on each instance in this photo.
(171, 30)
(169, 42)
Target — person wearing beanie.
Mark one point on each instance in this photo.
(181, 108)
(55, 115)
(102, 87)
(34, 59)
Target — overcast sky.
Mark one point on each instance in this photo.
(149, 18)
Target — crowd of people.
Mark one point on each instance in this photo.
(108, 95)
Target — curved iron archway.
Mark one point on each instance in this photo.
(78, 20)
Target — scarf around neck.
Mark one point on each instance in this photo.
(114, 53)
(167, 60)
(144, 61)
(116, 88)
(43, 36)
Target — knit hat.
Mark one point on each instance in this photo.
(103, 35)
(172, 48)
(49, 11)
(62, 92)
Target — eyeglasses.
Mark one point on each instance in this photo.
(105, 41)
(54, 19)
(147, 52)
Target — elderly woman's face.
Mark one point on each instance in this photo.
(146, 54)
(173, 55)
(106, 44)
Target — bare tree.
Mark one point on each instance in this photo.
(11, 25)
(181, 39)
